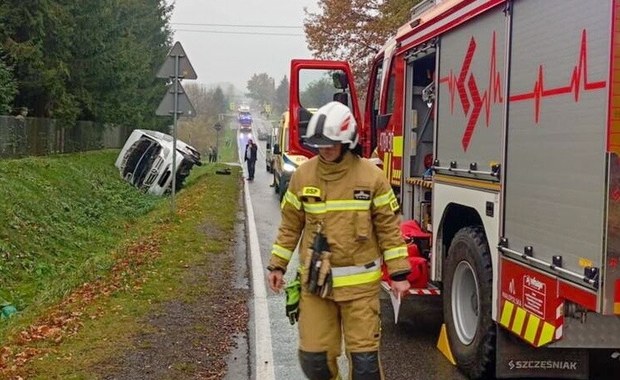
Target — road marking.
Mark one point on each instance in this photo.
(262, 342)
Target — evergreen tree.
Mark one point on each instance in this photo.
(87, 59)
(262, 89)
(282, 92)
(8, 87)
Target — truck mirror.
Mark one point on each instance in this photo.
(342, 97)
(276, 149)
(340, 81)
(383, 120)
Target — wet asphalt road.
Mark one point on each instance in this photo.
(408, 348)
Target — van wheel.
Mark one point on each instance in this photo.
(468, 285)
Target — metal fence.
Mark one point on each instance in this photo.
(31, 136)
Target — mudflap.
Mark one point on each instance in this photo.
(517, 359)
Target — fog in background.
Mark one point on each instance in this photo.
(227, 41)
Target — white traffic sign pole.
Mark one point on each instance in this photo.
(174, 132)
(176, 61)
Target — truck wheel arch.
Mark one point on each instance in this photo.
(455, 217)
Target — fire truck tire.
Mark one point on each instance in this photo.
(467, 302)
(275, 184)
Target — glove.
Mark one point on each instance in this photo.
(293, 293)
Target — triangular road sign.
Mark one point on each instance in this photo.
(186, 71)
(185, 107)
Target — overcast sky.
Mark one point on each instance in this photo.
(223, 53)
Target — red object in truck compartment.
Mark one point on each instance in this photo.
(418, 278)
(411, 229)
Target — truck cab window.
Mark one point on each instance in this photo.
(389, 105)
(318, 87)
(374, 102)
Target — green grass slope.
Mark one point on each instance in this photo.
(59, 218)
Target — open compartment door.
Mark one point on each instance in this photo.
(313, 84)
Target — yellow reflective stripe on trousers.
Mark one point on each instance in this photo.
(337, 205)
(292, 199)
(281, 252)
(384, 199)
(357, 279)
(395, 253)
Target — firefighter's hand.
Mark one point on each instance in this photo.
(276, 280)
(400, 288)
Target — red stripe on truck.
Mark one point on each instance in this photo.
(617, 298)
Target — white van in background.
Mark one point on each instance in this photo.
(146, 161)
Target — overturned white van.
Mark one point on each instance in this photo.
(146, 161)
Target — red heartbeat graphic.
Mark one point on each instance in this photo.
(575, 85)
(491, 95)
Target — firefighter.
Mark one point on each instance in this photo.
(345, 201)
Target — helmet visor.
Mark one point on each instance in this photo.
(320, 141)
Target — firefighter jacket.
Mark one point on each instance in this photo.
(357, 209)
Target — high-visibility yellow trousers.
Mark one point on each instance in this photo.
(324, 322)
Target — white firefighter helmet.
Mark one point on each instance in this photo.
(331, 124)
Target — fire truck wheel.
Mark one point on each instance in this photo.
(275, 184)
(468, 288)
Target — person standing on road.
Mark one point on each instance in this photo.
(250, 158)
(210, 154)
(347, 199)
(215, 154)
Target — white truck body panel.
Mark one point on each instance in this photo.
(555, 190)
(444, 195)
(470, 92)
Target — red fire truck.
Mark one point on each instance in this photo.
(498, 124)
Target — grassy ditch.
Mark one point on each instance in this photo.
(96, 257)
(59, 218)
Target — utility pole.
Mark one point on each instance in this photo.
(218, 128)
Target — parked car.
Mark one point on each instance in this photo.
(272, 140)
(283, 162)
(146, 161)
